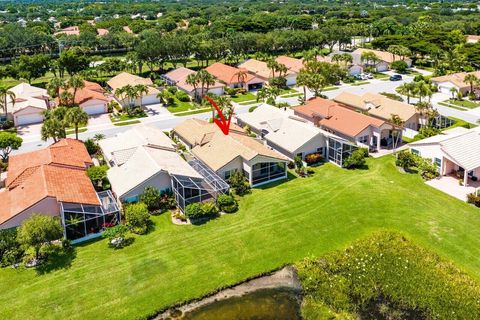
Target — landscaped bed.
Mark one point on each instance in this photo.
(463, 103)
(299, 218)
(180, 106)
(244, 97)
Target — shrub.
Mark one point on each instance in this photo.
(10, 249)
(172, 89)
(227, 203)
(356, 159)
(386, 269)
(182, 96)
(313, 158)
(400, 66)
(116, 235)
(271, 101)
(137, 218)
(279, 82)
(194, 211)
(151, 197)
(426, 132)
(406, 159)
(39, 230)
(209, 209)
(91, 146)
(291, 165)
(98, 175)
(428, 170)
(113, 105)
(230, 91)
(392, 96)
(473, 199)
(251, 109)
(239, 183)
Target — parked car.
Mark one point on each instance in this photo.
(396, 77)
(368, 75)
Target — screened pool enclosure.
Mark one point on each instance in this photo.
(82, 222)
(188, 190)
(339, 150)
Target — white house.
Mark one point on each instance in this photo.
(288, 134)
(455, 80)
(123, 79)
(28, 106)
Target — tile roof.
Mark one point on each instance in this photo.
(27, 96)
(179, 76)
(262, 70)
(382, 55)
(293, 64)
(464, 149)
(102, 32)
(66, 152)
(336, 117)
(90, 91)
(216, 149)
(57, 173)
(456, 78)
(286, 131)
(377, 105)
(227, 74)
(70, 31)
(125, 78)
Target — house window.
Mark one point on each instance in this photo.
(229, 173)
(415, 151)
(363, 140)
(437, 162)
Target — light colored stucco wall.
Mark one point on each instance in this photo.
(160, 181)
(47, 206)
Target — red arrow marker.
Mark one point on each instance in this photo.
(223, 123)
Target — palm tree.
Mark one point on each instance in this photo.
(225, 105)
(241, 77)
(206, 80)
(471, 79)
(272, 64)
(54, 86)
(405, 90)
(52, 128)
(303, 80)
(193, 80)
(98, 136)
(76, 116)
(4, 95)
(397, 125)
(142, 90)
(262, 94)
(75, 82)
(454, 92)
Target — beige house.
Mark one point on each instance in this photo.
(234, 77)
(385, 59)
(178, 78)
(262, 71)
(225, 154)
(123, 79)
(455, 80)
(381, 107)
(28, 106)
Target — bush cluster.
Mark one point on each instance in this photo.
(313, 158)
(182, 96)
(227, 203)
(239, 184)
(10, 249)
(356, 159)
(156, 200)
(386, 273)
(200, 210)
(91, 146)
(137, 217)
(408, 161)
(473, 199)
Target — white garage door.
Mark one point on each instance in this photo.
(94, 109)
(445, 89)
(29, 119)
(151, 99)
(291, 80)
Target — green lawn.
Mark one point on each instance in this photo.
(179, 106)
(125, 117)
(463, 103)
(275, 225)
(126, 123)
(452, 106)
(244, 97)
(360, 83)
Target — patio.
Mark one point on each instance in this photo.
(450, 185)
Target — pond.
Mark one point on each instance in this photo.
(265, 304)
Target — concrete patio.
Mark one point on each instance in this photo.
(451, 186)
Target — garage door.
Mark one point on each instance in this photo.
(26, 119)
(444, 89)
(94, 109)
(151, 99)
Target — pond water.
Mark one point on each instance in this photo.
(266, 304)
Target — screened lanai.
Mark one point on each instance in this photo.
(339, 150)
(82, 222)
(188, 190)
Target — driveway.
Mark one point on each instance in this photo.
(155, 109)
(99, 120)
(32, 130)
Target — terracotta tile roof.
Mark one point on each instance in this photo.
(70, 31)
(66, 152)
(57, 172)
(335, 117)
(293, 64)
(102, 32)
(91, 91)
(227, 74)
(382, 55)
(127, 29)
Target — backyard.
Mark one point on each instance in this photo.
(276, 225)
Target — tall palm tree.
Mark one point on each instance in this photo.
(193, 80)
(75, 82)
(241, 76)
(225, 105)
(405, 90)
(4, 95)
(272, 64)
(454, 92)
(262, 94)
(206, 80)
(397, 125)
(303, 79)
(471, 79)
(76, 116)
(52, 128)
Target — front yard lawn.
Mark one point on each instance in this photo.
(179, 106)
(275, 225)
(463, 103)
(244, 97)
(125, 117)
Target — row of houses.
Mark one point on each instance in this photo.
(29, 102)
